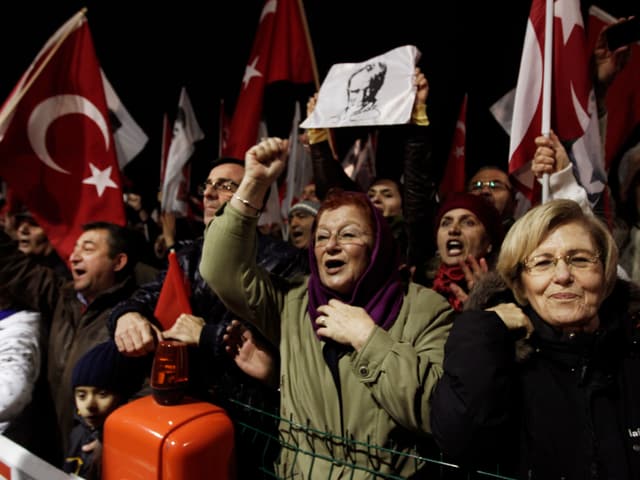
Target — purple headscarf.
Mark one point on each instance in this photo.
(379, 290)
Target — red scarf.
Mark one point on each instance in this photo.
(445, 276)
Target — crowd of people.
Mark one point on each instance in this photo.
(389, 316)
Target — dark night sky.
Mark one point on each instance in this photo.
(150, 50)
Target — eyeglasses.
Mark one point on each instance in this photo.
(492, 184)
(223, 185)
(544, 264)
(346, 236)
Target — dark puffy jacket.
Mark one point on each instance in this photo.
(553, 406)
(276, 256)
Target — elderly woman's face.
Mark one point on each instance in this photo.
(343, 244)
(461, 234)
(564, 295)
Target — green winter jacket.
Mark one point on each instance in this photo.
(385, 388)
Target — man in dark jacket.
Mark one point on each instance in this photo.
(213, 375)
(76, 311)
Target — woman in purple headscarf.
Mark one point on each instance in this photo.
(361, 351)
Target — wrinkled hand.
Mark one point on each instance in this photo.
(344, 323)
(550, 156)
(422, 88)
(513, 317)
(251, 355)
(265, 161)
(136, 336)
(311, 104)
(187, 329)
(609, 63)
(473, 270)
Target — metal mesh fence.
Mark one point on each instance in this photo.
(276, 436)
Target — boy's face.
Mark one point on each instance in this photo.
(94, 404)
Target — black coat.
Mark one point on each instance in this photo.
(553, 406)
(85, 464)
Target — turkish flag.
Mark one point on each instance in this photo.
(56, 148)
(573, 108)
(174, 295)
(623, 95)
(280, 52)
(453, 179)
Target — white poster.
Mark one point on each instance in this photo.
(379, 91)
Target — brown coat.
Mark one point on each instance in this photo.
(73, 330)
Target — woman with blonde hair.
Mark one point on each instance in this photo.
(542, 370)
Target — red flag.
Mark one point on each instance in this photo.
(56, 146)
(573, 110)
(174, 296)
(623, 95)
(453, 179)
(280, 52)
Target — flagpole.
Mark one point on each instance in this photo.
(16, 99)
(314, 66)
(546, 86)
(312, 55)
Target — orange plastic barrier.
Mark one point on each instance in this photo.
(144, 440)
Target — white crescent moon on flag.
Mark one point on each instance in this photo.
(48, 111)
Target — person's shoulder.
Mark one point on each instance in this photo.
(298, 288)
(279, 256)
(22, 318)
(423, 298)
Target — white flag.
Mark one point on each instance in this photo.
(299, 170)
(379, 91)
(186, 132)
(128, 137)
(502, 110)
(270, 216)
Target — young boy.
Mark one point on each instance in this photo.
(102, 380)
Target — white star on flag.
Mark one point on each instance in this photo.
(250, 72)
(459, 152)
(569, 16)
(100, 178)
(269, 7)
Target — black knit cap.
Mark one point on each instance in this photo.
(105, 367)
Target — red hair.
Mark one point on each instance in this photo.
(336, 198)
